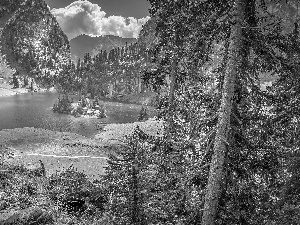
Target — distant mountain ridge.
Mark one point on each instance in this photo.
(93, 45)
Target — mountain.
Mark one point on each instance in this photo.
(6, 11)
(31, 39)
(86, 44)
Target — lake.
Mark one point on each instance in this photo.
(35, 110)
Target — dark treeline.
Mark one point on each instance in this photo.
(118, 71)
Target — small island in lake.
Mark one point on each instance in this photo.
(85, 107)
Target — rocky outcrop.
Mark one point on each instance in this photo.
(32, 40)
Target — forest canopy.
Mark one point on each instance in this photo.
(230, 150)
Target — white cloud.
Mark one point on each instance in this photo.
(84, 17)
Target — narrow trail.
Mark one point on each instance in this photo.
(63, 156)
(92, 166)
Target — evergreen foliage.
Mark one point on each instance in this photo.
(257, 153)
(126, 183)
(230, 152)
(118, 71)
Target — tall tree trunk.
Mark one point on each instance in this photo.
(216, 175)
(139, 85)
(173, 83)
(135, 215)
(110, 89)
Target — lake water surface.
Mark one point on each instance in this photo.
(34, 110)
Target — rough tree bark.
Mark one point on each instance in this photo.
(216, 175)
(173, 84)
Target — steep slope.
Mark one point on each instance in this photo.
(7, 8)
(32, 40)
(147, 36)
(86, 44)
(4, 18)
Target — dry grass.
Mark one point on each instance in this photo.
(61, 149)
(57, 150)
(116, 133)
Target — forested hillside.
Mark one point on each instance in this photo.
(112, 72)
(32, 41)
(93, 45)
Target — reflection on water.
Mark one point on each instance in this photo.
(34, 110)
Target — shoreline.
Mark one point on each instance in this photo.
(38, 139)
(6, 90)
(145, 98)
(58, 150)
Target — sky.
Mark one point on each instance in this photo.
(122, 18)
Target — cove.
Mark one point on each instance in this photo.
(35, 110)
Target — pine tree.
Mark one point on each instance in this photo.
(239, 160)
(216, 174)
(126, 182)
(15, 80)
